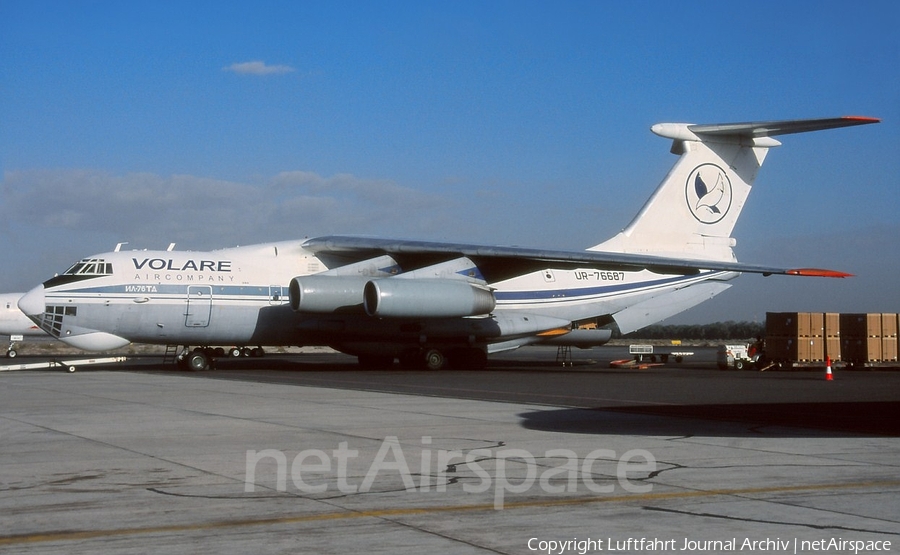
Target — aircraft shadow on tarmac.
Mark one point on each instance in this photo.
(751, 420)
(868, 419)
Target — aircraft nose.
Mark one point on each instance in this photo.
(32, 303)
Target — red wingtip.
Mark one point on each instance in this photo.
(816, 272)
(863, 119)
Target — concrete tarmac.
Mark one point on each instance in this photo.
(305, 455)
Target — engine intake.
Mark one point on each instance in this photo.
(426, 298)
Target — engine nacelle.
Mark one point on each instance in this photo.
(326, 294)
(426, 298)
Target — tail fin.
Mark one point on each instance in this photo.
(693, 211)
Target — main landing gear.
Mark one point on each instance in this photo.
(204, 358)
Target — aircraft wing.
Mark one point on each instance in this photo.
(498, 263)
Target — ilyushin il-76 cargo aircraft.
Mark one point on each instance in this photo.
(427, 303)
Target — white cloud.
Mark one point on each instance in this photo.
(257, 68)
(150, 210)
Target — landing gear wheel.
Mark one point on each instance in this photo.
(434, 359)
(234, 352)
(197, 361)
(11, 353)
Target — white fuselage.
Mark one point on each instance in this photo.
(239, 296)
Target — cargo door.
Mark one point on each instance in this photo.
(199, 306)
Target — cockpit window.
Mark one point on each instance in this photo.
(90, 267)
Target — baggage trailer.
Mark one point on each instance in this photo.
(645, 356)
(642, 353)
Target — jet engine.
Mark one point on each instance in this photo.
(327, 294)
(426, 298)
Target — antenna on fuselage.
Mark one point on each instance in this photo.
(119, 246)
(171, 247)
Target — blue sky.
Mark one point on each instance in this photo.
(212, 124)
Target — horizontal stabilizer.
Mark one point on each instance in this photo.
(772, 128)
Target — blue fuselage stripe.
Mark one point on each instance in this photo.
(581, 292)
(264, 292)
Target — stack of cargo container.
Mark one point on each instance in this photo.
(869, 337)
(813, 336)
(795, 336)
(861, 340)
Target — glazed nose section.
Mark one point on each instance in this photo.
(32, 303)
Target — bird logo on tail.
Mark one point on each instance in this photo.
(708, 193)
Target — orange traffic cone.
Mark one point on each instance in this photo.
(828, 376)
